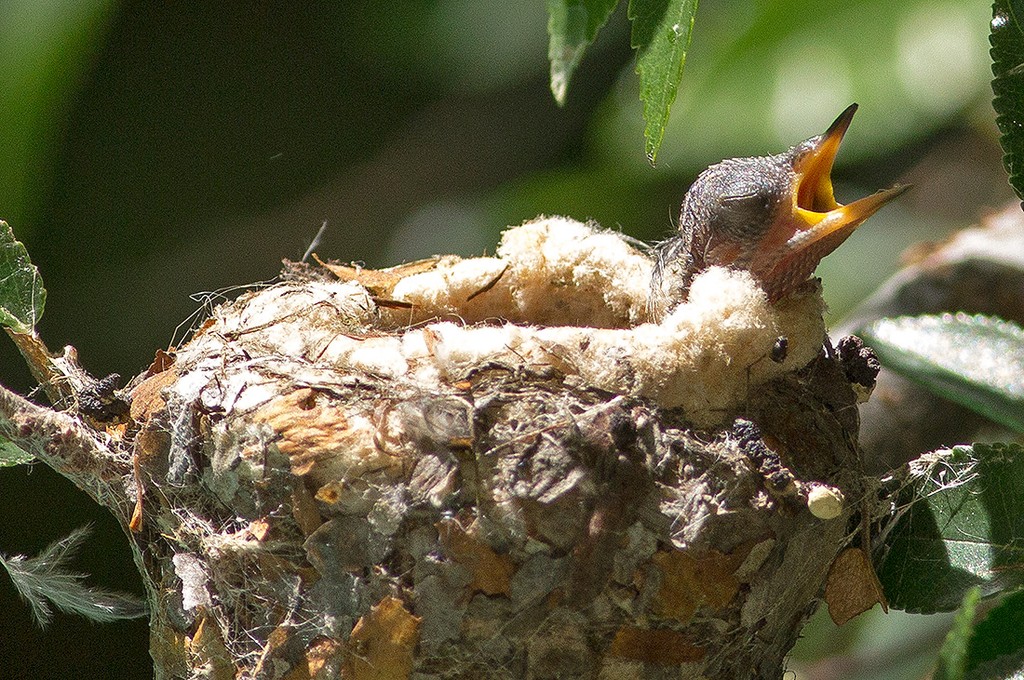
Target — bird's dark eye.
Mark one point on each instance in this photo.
(744, 214)
(753, 201)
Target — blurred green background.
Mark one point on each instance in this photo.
(150, 153)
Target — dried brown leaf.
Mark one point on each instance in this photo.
(304, 509)
(259, 528)
(491, 572)
(161, 362)
(322, 660)
(309, 430)
(378, 282)
(275, 654)
(208, 649)
(147, 398)
(382, 643)
(324, 656)
(660, 646)
(852, 586)
(687, 582)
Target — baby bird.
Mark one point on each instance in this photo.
(775, 216)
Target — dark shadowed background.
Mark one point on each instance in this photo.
(150, 154)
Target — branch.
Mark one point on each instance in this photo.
(78, 452)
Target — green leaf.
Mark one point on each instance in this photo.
(961, 526)
(999, 634)
(1007, 39)
(953, 655)
(661, 36)
(1009, 667)
(994, 648)
(976, 361)
(762, 76)
(572, 26)
(22, 295)
(11, 454)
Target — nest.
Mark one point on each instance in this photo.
(493, 467)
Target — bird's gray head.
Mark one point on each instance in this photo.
(775, 216)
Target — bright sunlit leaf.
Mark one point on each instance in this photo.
(572, 27)
(11, 454)
(976, 361)
(1007, 40)
(962, 527)
(661, 36)
(22, 295)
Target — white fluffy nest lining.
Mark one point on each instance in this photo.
(558, 294)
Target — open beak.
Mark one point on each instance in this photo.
(816, 224)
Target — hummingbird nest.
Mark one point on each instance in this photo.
(496, 467)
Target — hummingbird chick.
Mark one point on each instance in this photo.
(775, 216)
